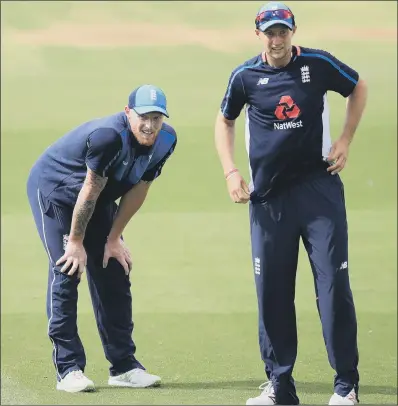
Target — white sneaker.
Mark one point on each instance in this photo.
(267, 396)
(350, 399)
(75, 381)
(135, 378)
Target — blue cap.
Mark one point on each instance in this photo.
(148, 98)
(273, 13)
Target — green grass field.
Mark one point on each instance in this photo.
(193, 289)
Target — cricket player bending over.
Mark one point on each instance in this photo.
(295, 192)
(72, 189)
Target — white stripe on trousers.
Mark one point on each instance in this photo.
(51, 288)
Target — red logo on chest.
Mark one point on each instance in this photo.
(287, 108)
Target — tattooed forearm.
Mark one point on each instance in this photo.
(81, 216)
(95, 182)
(85, 204)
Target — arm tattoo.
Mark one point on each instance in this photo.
(81, 216)
(85, 203)
(96, 182)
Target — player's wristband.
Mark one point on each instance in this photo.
(230, 173)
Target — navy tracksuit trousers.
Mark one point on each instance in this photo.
(315, 211)
(109, 289)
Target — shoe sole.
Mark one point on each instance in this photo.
(131, 385)
(75, 390)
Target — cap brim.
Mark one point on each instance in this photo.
(150, 109)
(268, 24)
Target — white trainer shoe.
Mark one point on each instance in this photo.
(75, 381)
(135, 378)
(350, 399)
(267, 396)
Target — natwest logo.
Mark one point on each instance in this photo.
(286, 126)
(285, 110)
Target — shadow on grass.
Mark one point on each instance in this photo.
(303, 387)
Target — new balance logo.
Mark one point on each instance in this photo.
(344, 265)
(262, 81)
(305, 74)
(257, 264)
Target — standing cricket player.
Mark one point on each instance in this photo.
(72, 189)
(295, 191)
